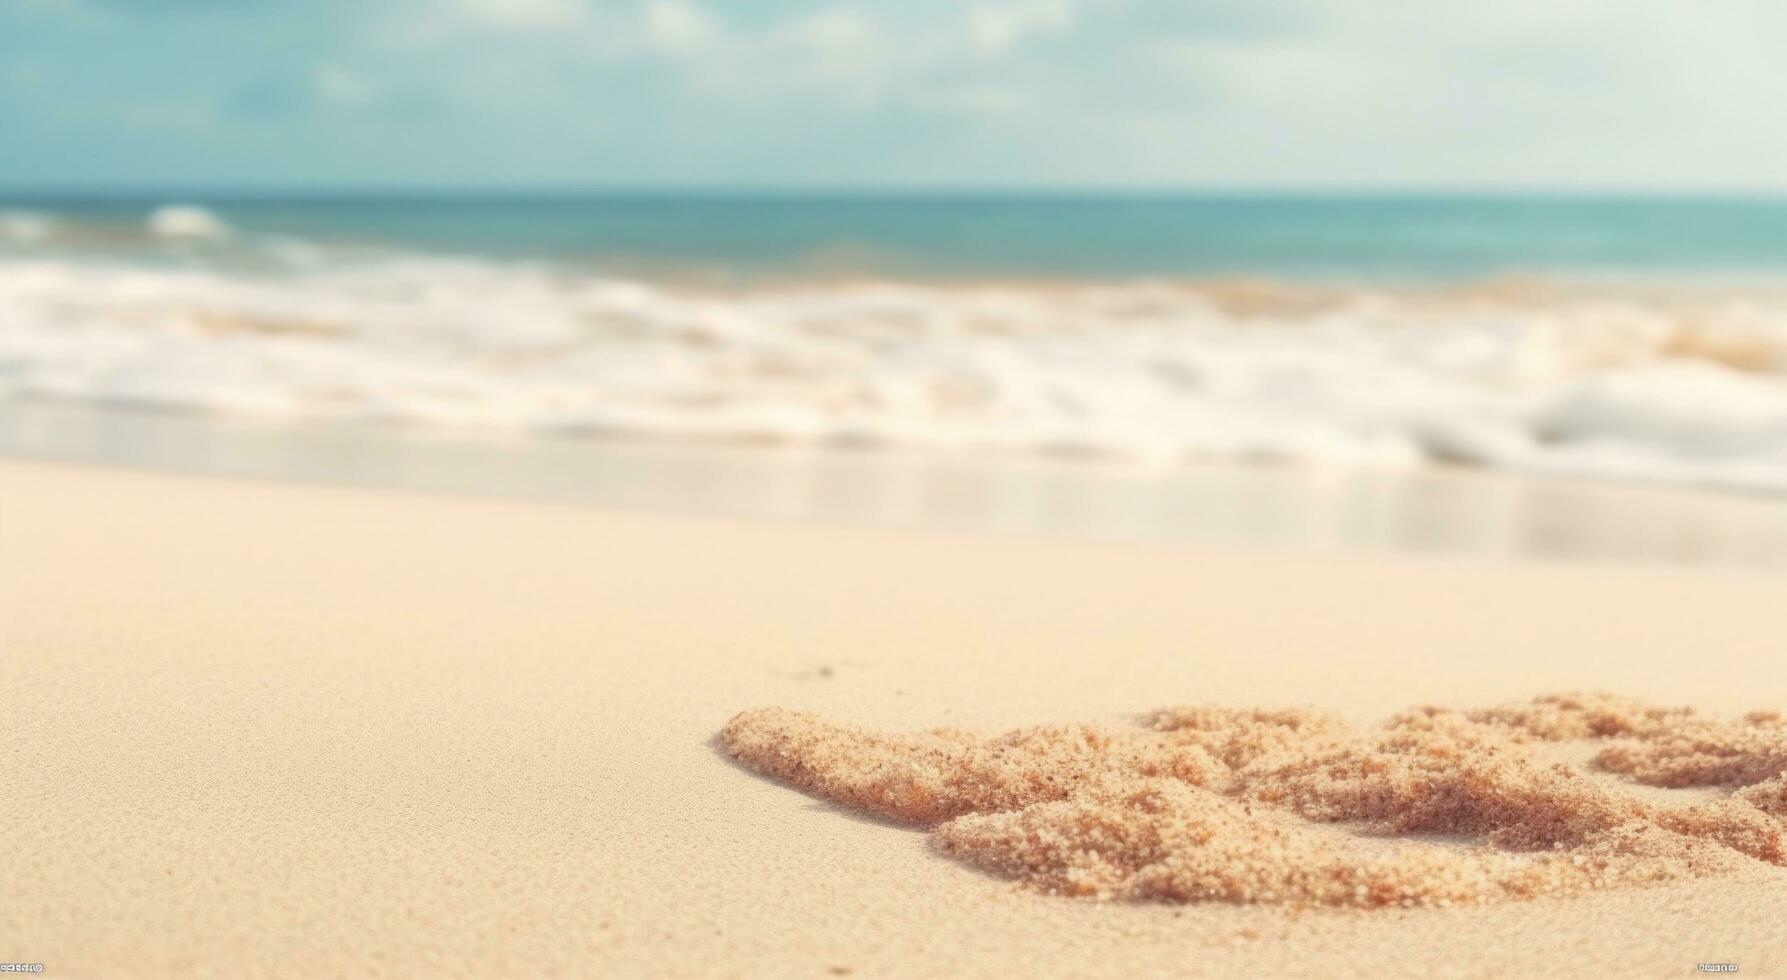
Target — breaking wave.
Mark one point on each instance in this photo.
(1684, 385)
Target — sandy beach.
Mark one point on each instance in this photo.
(269, 730)
(1021, 488)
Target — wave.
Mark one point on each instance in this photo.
(186, 221)
(25, 227)
(1681, 386)
(118, 232)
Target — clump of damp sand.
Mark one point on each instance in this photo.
(1435, 807)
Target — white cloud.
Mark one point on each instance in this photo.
(1553, 92)
(996, 27)
(679, 27)
(836, 55)
(839, 39)
(525, 14)
(1639, 93)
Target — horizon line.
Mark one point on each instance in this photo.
(292, 190)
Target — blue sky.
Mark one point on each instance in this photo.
(1023, 93)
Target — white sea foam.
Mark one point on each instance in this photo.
(1687, 389)
(25, 227)
(186, 221)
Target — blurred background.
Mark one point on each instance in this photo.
(1294, 273)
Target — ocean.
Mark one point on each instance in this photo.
(740, 237)
(1625, 339)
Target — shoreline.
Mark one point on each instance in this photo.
(1438, 511)
(264, 729)
(1513, 377)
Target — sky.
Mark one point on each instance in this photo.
(1602, 94)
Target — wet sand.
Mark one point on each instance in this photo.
(1443, 511)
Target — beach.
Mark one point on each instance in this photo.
(269, 729)
(1025, 488)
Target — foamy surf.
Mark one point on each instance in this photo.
(1688, 387)
(24, 227)
(186, 221)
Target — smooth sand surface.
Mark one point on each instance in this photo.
(255, 729)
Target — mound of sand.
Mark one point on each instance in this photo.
(1435, 807)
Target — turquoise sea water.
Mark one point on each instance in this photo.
(966, 235)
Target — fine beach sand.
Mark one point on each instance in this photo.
(272, 730)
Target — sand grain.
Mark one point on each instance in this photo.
(1255, 806)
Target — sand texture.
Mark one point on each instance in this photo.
(261, 730)
(1193, 804)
